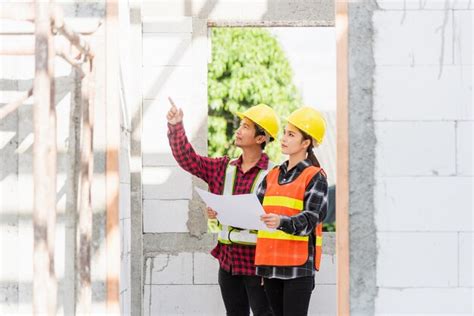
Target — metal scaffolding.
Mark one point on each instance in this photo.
(49, 21)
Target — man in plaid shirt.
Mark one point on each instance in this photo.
(241, 289)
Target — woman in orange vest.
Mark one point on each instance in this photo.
(294, 197)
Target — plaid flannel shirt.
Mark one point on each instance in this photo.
(237, 259)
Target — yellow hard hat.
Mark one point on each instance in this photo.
(263, 116)
(309, 121)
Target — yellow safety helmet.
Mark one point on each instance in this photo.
(309, 121)
(263, 116)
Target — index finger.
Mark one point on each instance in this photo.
(172, 102)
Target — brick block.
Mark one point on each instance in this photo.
(124, 197)
(417, 260)
(466, 251)
(155, 144)
(465, 146)
(170, 269)
(162, 216)
(415, 148)
(169, 300)
(168, 183)
(427, 301)
(205, 268)
(413, 37)
(431, 93)
(124, 165)
(167, 24)
(424, 204)
(323, 300)
(463, 26)
(167, 80)
(424, 5)
(328, 272)
(167, 49)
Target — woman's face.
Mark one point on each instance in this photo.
(292, 141)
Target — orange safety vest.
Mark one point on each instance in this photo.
(277, 248)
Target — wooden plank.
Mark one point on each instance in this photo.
(342, 191)
(44, 164)
(112, 157)
(84, 216)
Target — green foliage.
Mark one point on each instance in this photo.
(329, 227)
(248, 67)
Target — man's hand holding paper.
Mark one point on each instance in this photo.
(243, 210)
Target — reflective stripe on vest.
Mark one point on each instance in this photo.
(228, 234)
(277, 248)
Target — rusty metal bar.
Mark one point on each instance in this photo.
(112, 156)
(78, 41)
(44, 161)
(84, 216)
(22, 11)
(73, 62)
(10, 107)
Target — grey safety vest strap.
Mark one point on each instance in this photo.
(229, 234)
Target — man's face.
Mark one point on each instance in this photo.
(245, 134)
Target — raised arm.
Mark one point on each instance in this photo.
(184, 153)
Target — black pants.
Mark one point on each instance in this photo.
(240, 292)
(289, 297)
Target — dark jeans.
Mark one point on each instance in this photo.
(289, 297)
(240, 292)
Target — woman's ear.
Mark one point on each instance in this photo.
(306, 143)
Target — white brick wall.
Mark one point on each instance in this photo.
(170, 276)
(426, 204)
(166, 183)
(170, 269)
(205, 268)
(424, 301)
(465, 143)
(162, 216)
(424, 5)
(413, 38)
(423, 93)
(415, 148)
(167, 49)
(417, 260)
(423, 111)
(466, 251)
(463, 26)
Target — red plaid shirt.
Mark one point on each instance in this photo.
(237, 259)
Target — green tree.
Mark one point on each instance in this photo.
(248, 67)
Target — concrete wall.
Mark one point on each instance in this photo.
(175, 244)
(411, 219)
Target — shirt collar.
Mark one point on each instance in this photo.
(299, 166)
(262, 163)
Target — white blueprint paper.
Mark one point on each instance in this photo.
(242, 210)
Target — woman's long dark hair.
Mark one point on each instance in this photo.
(311, 155)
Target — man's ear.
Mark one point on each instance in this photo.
(261, 139)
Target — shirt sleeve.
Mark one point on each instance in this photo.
(262, 187)
(184, 153)
(314, 209)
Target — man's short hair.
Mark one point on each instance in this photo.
(259, 131)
